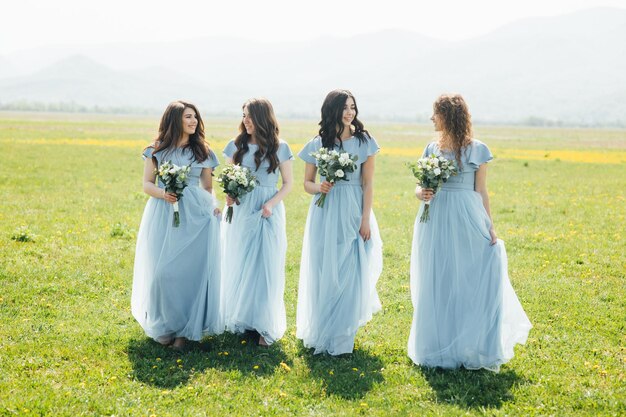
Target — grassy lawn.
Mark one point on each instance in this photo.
(71, 205)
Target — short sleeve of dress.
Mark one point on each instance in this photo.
(147, 153)
(368, 148)
(428, 150)
(210, 162)
(284, 152)
(230, 149)
(312, 146)
(372, 147)
(479, 154)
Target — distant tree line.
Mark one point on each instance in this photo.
(73, 107)
(543, 122)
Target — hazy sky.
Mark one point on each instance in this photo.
(31, 23)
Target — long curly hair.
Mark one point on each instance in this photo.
(331, 125)
(266, 131)
(171, 130)
(456, 123)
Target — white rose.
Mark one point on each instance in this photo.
(437, 171)
(339, 173)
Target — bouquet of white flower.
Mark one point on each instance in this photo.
(175, 179)
(333, 166)
(431, 172)
(236, 181)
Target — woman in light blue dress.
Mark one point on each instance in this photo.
(255, 243)
(342, 251)
(176, 281)
(466, 313)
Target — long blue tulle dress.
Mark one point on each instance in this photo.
(253, 254)
(466, 312)
(176, 282)
(338, 270)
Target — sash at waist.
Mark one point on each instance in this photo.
(458, 186)
(347, 183)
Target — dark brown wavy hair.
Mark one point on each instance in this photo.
(171, 130)
(456, 123)
(331, 125)
(266, 131)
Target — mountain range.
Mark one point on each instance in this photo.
(565, 69)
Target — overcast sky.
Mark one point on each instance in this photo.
(31, 23)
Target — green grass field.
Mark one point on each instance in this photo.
(71, 205)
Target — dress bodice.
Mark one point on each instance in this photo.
(264, 178)
(472, 157)
(181, 157)
(351, 145)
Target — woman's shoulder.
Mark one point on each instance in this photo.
(433, 148)
(230, 148)
(211, 154)
(283, 146)
(211, 160)
(314, 144)
(311, 146)
(364, 137)
(367, 145)
(367, 135)
(148, 151)
(283, 152)
(476, 143)
(477, 147)
(477, 153)
(430, 147)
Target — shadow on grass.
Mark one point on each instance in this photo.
(236, 352)
(166, 368)
(348, 376)
(472, 389)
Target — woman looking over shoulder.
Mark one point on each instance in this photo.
(176, 281)
(466, 312)
(255, 243)
(342, 251)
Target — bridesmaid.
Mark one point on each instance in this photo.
(176, 282)
(465, 311)
(255, 243)
(342, 251)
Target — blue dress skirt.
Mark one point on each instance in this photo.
(338, 270)
(253, 255)
(176, 281)
(466, 312)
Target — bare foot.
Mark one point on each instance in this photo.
(165, 340)
(262, 342)
(179, 343)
